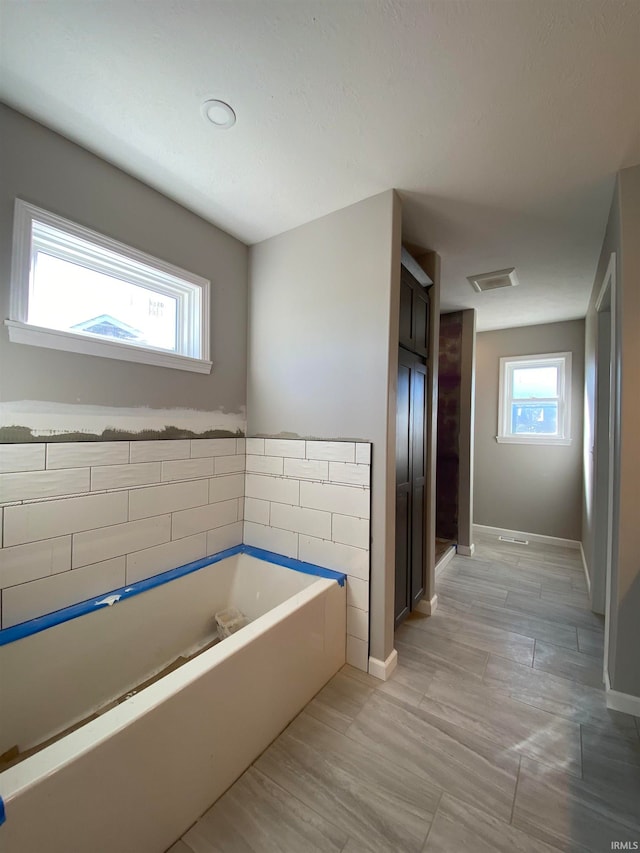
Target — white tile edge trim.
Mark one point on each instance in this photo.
(465, 550)
(383, 669)
(533, 537)
(427, 606)
(446, 558)
(586, 569)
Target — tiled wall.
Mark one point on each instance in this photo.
(311, 500)
(80, 519)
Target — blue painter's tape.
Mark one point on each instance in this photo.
(3, 814)
(296, 565)
(41, 623)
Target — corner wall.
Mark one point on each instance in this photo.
(530, 488)
(320, 320)
(55, 391)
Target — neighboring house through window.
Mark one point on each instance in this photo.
(535, 399)
(77, 290)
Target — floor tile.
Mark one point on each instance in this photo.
(376, 802)
(576, 666)
(459, 827)
(258, 816)
(442, 754)
(338, 703)
(591, 642)
(549, 610)
(433, 653)
(526, 624)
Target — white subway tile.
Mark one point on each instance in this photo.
(224, 537)
(21, 457)
(350, 473)
(346, 500)
(309, 521)
(340, 558)
(43, 484)
(213, 447)
(24, 563)
(358, 653)
(265, 464)
(271, 539)
(29, 600)
(187, 469)
(363, 453)
(240, 509)
(241, 445)
(229, 464)
(254, 445)
(125, 476)
(157, 500)
(161, 450)
(332, 451)
(202, 518)
(81, 453)
(358, 623)
(272, 489)
(306, 469)
(294, 448)
(350, 531)
(96, 545)
(225, 487)
(257, 511)
(161, 558)
(31, 522)
(358, 593)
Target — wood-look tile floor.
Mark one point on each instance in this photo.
(491, 736)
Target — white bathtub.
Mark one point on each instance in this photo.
(134, 779)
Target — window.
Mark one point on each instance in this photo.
(535, 399)
(76, 290)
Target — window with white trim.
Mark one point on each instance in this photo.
(535, 399)
(77, 290)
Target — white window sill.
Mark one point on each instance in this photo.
(533, 439)
(24, 333)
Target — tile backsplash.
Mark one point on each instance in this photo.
(81, 519)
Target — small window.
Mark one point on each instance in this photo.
(76, 290)
(535, 399)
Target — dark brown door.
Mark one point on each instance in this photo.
(414, 315)
(410, 482)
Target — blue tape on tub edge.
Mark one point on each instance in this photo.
(292, 563)
(65, 614)
(3, 814)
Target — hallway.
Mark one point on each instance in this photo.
(491, 735)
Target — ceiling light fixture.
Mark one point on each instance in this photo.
(220, 114)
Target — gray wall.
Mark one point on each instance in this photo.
(621, 237)
(530, 488)
(320, 320)
(42, 167)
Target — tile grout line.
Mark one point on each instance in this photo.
(433, 820)
(515, 791)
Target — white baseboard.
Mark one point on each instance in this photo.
(532, 537)
(624, 702)
(426, 606)
(445, 559)
(382, 669)
(466, 550)
(586, 570)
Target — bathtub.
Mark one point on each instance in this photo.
(136, 777)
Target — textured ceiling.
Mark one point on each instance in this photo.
(501, 122)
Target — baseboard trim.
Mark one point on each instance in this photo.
(532, 537)
(446, 558)
(624, 702)
(586, 570)
(382, 669)
(427, 606)
(466, 550)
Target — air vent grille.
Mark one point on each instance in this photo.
(493, 280)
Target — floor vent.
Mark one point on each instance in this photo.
(513, 539)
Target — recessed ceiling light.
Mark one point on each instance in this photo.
(220, 114)
(493, 280)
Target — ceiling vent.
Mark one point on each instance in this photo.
(493, 280)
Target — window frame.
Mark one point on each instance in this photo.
(505, 398)
(191, 291)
